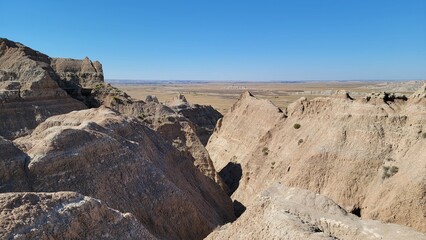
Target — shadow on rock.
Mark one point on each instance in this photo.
(231, 175)
(239, 208)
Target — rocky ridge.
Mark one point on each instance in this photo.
(40, 87)
(101, 154)
(365, 154)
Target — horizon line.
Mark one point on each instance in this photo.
(240, 80)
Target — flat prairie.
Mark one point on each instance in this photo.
(222, 95)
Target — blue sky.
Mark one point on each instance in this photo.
(229, 40)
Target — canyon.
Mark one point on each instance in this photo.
(82, 159)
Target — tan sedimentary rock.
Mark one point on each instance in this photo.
(13, 172)
(368, 155)
(180, 132)
(291, 213)
(117, 159)
(29, 92)
(34, 87)
(203, 117)
(64, 215)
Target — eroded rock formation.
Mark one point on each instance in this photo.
(34, 87)
(178, 131)
(203, 117)
(366, 154)
(116, 159)
(64, 215)
(13, 171)
(290, 213)
(29, 92)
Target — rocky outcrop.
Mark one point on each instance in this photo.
(367, 155)
(420, 93)
(290, 213)
(84, 81)
(243, 127)
(29, 92)
(34, 87)
(181, 133)
(203, 117)
(13, 171)
(77, 73)
(116, 159)
(64, 215)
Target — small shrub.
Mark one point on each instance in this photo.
(389, 171)
(98, 86)
(424, 135)
(300, 141)
(117, 99)
(296, 126)
(265, 151)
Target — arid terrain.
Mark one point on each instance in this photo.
(81, 158)
(222, 95)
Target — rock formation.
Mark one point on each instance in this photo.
(64, 215)
(203, 117)
(29, 92)
(181, 133)
(116, 159)
(84, 80)
(290, 213)
(13, 172)
(34, 87)
(367, 155)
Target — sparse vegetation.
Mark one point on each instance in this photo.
(296, 126)
(142, 116)
(389, 171)
(99, 86)
(265, 151)
(117, 99)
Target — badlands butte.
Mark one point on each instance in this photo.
(81, 159)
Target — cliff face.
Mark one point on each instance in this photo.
(64, 215)
(29, 92)
(116, 159)
(84, 81)
(367, 154)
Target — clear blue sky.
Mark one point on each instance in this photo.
(229, 40)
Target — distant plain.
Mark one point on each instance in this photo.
(222, 95)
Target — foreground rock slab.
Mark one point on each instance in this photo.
(291, 213)
(64, 215)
